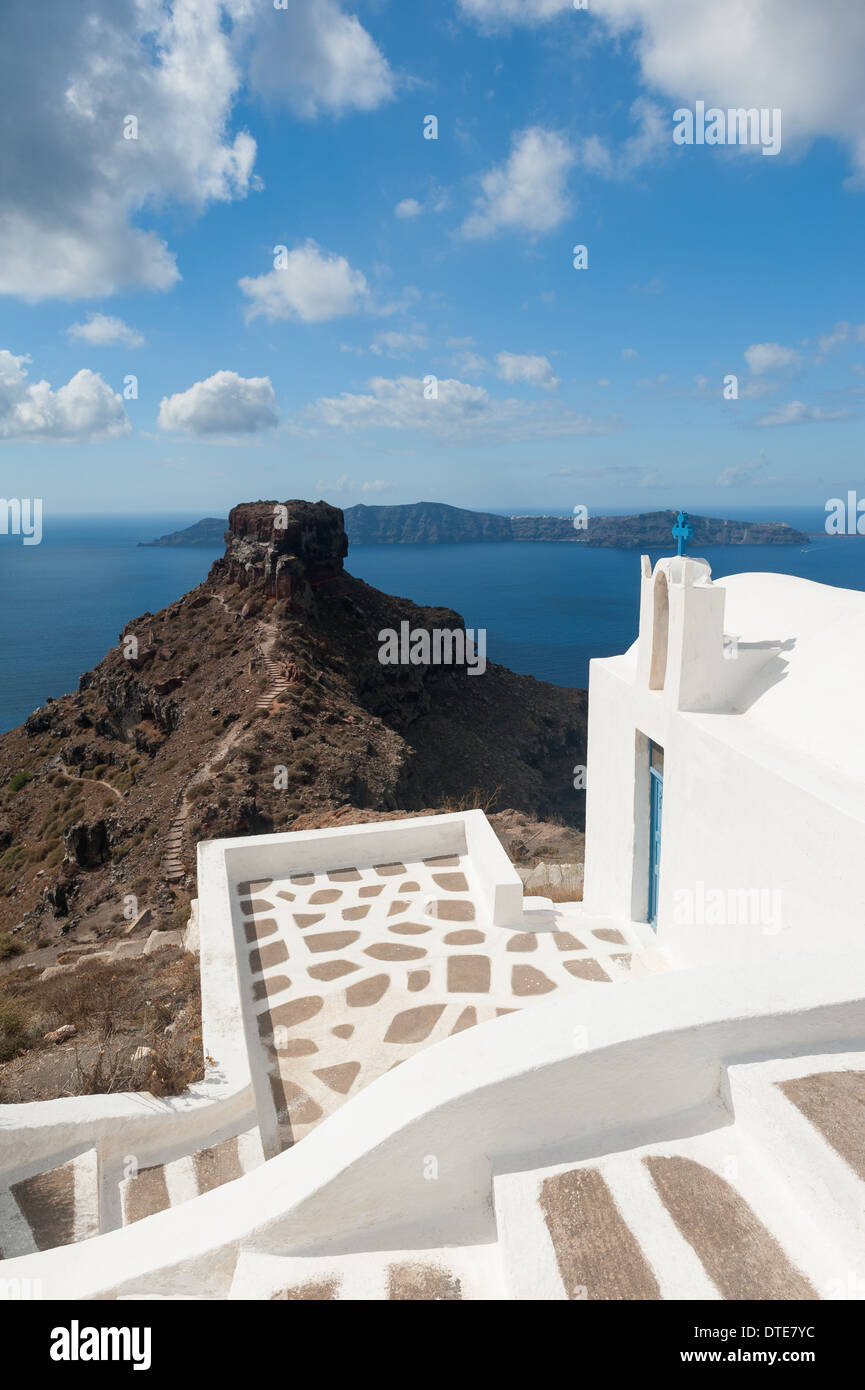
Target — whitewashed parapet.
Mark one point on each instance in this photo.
(43, 1134)
(581, 1071)
(362, 846)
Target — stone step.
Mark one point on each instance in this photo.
(159, 939)
(806, 1115)
(58, 1207)
(705, 1217)
(168, 1184)
(125, 950)
(429, 1275)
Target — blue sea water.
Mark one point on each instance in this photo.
(547, 607)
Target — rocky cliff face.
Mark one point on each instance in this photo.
(285, 548)
(255, 702)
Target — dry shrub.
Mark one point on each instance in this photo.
(478, 799)
(558, 892)
(19, 1025)
(119, 1007)
(9, 946)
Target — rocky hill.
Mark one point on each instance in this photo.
(257, 702)
(430, 523)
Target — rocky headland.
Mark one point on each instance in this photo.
(257, 702)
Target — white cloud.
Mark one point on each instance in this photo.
(802, 57)
(529, 191)
(496, 14)
(100, 330)
(652, 286)
(344, 484)
(753, 472)
(409, 207)
(397, 344)
(73, 186)
(223, 404)
(797, 413)
(470, 363)
(534, 371)
(76, 187)
(312, 286)
(85, 410)
(770, 357)
(651, 142)
(311, 57)
(459, 411)
(628, 354)
(842, 334)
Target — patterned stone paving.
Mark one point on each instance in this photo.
(353, 970)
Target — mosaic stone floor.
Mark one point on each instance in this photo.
(354, 970)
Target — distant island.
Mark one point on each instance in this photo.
(436, 523)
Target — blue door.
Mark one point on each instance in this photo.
(656, 804)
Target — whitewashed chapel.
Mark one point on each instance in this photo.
(726, 775)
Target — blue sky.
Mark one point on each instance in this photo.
(409, 258)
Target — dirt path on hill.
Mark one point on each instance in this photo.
(264, 642)
(97, 780)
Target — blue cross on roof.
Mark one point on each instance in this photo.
(682, 532)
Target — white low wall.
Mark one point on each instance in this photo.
(380, 842)
(43, 1134)
(523, 1085)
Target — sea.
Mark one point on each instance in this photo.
(547, 608)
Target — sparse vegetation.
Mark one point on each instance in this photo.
(476, 800)
(19, 780)
(9, 946)
(117, 1007)
(17, 1025)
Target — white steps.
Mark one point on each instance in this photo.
(447, 1274)
(762, 1207)
(166, 1185)
(821, 1182)
(57, 1207)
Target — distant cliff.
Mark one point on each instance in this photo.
(432, 523)
(653, 530)
(422, 523)
(210, 531)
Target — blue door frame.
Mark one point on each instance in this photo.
(656, 804)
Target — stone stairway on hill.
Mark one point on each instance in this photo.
(277, 683)
(172, 861)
